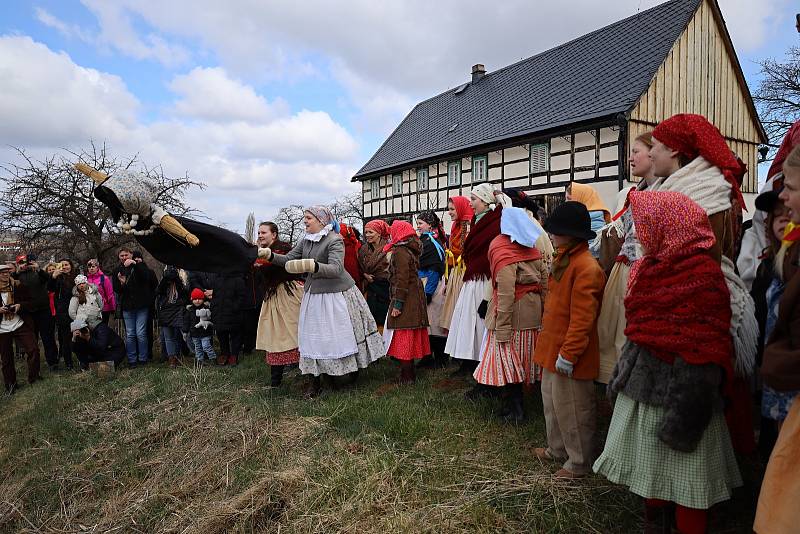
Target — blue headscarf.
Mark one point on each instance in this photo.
(515, 223)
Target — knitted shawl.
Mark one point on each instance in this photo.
(707, 186)
(677, 302)
(476, 246)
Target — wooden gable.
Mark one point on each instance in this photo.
(702, 75)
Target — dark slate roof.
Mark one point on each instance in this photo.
(597, 75)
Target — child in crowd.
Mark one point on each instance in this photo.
(567, 348)
(197, 323)
(406, 333)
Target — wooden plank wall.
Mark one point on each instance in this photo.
(700, 76)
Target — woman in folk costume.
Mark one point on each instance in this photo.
(777, 511)
(375, 270)
(668, 440)
(467, 326)
(337, 334)
(620, 248)
(696, 161)
(461, 214)
(588, 196)
(514, 315)
(406, 334)
(431, 271)
(280, 311)
(352, 244)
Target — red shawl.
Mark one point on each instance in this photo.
(502, 253)
(476, 246)
(400, 231)
(351, 246)
(677, 303)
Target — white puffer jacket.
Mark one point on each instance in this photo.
(91, 311)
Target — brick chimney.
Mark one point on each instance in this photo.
(478, 72)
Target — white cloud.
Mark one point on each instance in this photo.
(67, 30)
(210, 94)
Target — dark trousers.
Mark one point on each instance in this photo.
(64, 341)
(106, 317)
(230, 342)
(249, 329)
(44, 327)
(25, 338)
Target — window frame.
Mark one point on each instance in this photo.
(397, 184)
(457, 181)
(546, 168)
(375, 188)
(422, 172)
(485, 160)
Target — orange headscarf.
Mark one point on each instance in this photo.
(589, 197)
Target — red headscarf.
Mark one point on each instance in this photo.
(351, 246)
(400, 231)
(464, 211)
(378, 226)
(692, 135)
(677, 303)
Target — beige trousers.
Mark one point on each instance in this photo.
(570, 415)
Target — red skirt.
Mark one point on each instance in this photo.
(409, 344)
(508, 363)
(283, 358)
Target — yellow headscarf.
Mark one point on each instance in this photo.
(589, 197)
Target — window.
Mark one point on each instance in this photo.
(422, 179)
(540, 158)
(397, 184)
(375, 188)
(479, 169)
(454, 173)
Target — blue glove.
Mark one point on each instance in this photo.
(564, 366)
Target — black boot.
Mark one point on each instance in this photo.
(480, 390)
(276, 375)
(440, 358)
(516, 412)
(427, 362)
(313, 388)
(465, 368)
(505, 401)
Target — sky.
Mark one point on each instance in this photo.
(280, 102)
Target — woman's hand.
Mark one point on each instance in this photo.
(369, 278)
(395, 312)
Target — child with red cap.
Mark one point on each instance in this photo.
(197, 323)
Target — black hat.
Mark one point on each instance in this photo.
(767, 200)
(571, 219)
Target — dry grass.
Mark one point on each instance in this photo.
(212, 451)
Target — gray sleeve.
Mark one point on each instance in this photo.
(73, 308)
(335, 266)
(295, 254)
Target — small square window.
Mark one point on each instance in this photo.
(479, 169)
(397, 184)
(454, 173)
(540, 158)
(375, 188)
(422, 179)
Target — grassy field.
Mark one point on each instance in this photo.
(216, 450)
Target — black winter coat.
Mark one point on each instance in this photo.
(104, 345)
(36, 281)
(201, 280)
(171, 307)
(190, 319)
(140, 288)
(227, 302)
(61, 286)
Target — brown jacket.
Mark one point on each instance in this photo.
(781, 367)
(569, 324)
(407, 293)
(526, 313)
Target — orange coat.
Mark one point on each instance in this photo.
(569, 323)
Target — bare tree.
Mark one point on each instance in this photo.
(349, 209)
(778, 94)
(50, 206)
(290, 223)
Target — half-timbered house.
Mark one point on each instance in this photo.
(568, 114)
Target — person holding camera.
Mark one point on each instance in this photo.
(96, 344)
(135, 286)
(36, 280)
(16, 324)
(62, 284)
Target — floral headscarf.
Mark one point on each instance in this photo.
(324, 215)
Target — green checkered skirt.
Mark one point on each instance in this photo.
(634, 456)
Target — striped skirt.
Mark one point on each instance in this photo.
(508, 363)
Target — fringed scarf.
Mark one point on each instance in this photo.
(476, 246)
(502, 253)
(678, 303)
(372, 260)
